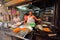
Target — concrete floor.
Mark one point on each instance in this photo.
(0, 36)
(4, 37)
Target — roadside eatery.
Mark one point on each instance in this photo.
(29, 19)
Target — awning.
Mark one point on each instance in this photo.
(14, 2)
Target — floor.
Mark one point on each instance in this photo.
(0, 36)
(4, 37)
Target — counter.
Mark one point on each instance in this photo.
(9, 32)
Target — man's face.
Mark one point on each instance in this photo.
(30, 13)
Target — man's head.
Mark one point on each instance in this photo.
(30, 13)
(16, 16)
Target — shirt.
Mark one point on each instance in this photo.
(16, 19)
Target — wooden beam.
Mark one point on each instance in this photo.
(14, 2)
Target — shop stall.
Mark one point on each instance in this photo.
(16, 28)
(20, 30)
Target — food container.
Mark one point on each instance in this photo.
(39, 27)
(24, 31)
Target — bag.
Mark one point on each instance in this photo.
(32, 24)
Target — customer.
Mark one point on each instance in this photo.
(16, 19)
(25, 17)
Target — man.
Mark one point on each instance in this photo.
(25, 17)
(32, 18)
(16, 19)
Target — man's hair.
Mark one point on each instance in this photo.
(31, 11)
(25, 14)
